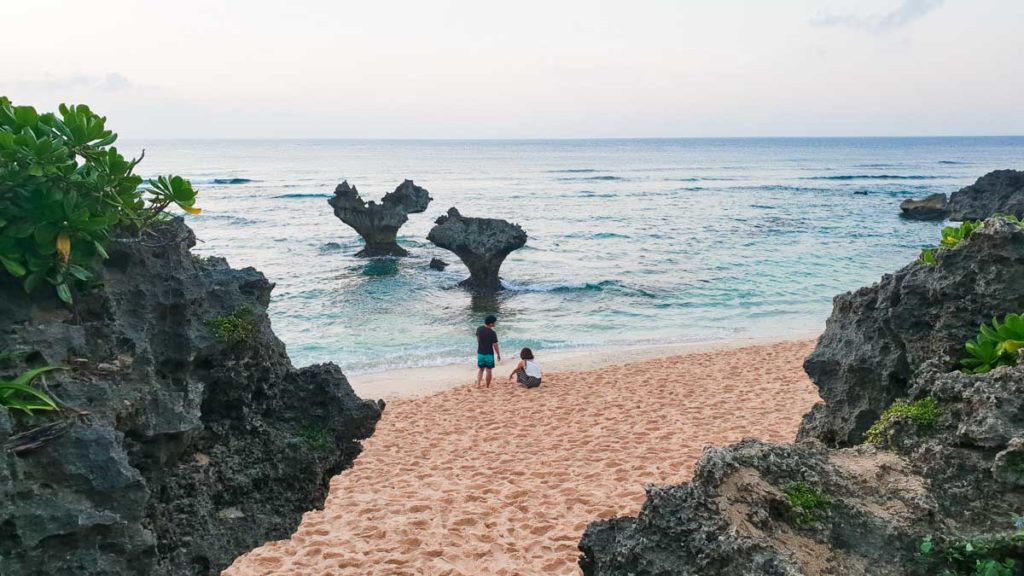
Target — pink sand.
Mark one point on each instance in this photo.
(503, 481)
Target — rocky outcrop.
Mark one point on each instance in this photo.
(378, 224)
(438, 264)
(190, 437)
(878, 336)
(932, 207)
(746, 511)
(481, 243)
(737, 517)
(998, 192)
(949, 477)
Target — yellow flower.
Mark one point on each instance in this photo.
(64, 246)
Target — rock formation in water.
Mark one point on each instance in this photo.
(481, 243)
(378, 224)
(192, 437)
(932, 207)
(438, 264)
(938, 489)
(998, 192)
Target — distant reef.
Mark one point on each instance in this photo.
(909, 466)
(998, 192)
(188, 437)
(378, 224)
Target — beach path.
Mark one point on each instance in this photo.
(503, 481)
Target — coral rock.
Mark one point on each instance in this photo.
(195, 449)
(998, 192)
(481, 243)
(931, 207)
(378, 224)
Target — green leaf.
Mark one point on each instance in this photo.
(13, 266)
(64, 293)
(31, 375)
(33, 281)
(25, 115)
(20, 229)
(79, 272)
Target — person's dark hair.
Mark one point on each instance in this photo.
(526, 354)
(490, 319)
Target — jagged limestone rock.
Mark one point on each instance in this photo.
(201, 442)
(378, 224)
(878, 336)
(953, 476)
(932, 207)
(735, 517)
(998, 192)
(481, 243)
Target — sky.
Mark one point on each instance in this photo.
(524, 69)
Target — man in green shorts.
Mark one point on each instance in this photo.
(486, 349)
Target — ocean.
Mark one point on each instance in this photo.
(631, 242)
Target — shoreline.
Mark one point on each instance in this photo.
(420, 382)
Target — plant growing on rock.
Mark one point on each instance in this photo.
(806, 503)
(19, 394)
(235, 328)
(924, 413)
(996, 345)
(996, 555)
(64, 190)
(952, 236)
(317, 437)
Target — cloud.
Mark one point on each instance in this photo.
(112, 82)
(907, 12)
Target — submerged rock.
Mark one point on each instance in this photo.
(998, 192)
(201, 440)
(932, 207)
(438, 264)
(481, 243)
(378, 224)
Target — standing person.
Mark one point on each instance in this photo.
(486, 349)
(527, 372)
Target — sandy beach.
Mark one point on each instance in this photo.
(503, 481)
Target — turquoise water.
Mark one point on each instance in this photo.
(631, 241)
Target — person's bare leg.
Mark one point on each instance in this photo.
(479, 376)
(488, 377)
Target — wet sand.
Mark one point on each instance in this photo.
(503, 481)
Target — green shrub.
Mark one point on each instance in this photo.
(806, 503)
(235, 328)
(924, 413)
(995, 555)
(64, 190)
(19, 394)
(996, 345)
(952, 236)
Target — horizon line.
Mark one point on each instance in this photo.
(561, 138)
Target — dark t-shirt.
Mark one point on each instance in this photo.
(485, 340)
